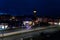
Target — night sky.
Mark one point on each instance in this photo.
(26, 7)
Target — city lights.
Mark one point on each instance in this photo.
(2, 27)
(59, 23)
(19, 21)
(50, 23)
(55, 23)
(29, 22)
(13, 17)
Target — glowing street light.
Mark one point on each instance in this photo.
(35, 12)
(59, 23)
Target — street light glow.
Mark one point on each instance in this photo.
(59, 23)
(34, 11)
(3, 27)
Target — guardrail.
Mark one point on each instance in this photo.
(26, 31)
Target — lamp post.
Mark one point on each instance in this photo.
(35, 12)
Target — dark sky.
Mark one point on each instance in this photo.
(21, 7)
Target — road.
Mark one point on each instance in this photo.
(24, 33)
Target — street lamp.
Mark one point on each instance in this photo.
(35, 12)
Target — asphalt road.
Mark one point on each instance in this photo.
(34, 35)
